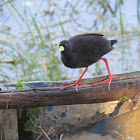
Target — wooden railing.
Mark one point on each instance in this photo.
(48, 93)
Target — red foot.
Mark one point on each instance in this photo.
(76, 85)
(77, 82)
(108, 80)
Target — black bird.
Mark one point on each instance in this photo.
(83, 50)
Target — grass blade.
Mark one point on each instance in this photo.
(121, 21)
(38, 31)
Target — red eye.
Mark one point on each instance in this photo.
(65, 44)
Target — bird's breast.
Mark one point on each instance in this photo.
(69, 61)
(78, 61)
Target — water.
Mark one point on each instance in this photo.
(16, 28)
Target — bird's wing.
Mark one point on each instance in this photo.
(77, 37)
(91, 34)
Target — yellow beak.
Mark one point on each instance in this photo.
(61, 49)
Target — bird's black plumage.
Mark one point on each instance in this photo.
(85, 49)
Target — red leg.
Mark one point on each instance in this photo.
(77, 82)
(110, 76)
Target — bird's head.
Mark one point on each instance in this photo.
(65, 47)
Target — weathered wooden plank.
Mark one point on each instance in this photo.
(42, 84)
(9, 124)
(87, 94)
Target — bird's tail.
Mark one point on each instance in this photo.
(113, 41)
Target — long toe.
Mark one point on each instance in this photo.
(106, 81)
(67, 87)
(81, 84)
(72, 85)
(100, 83)
(109, 81)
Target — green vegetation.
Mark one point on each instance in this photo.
(30, 34)
(32, 113)
(124, 98)
(20, 85)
